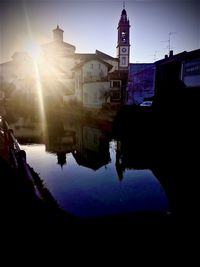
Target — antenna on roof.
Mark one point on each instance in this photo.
(169, 40)
(123, 4)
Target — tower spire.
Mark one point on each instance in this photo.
(123, 42)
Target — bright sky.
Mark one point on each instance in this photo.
(91, 25)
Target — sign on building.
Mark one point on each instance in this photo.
(191, 73)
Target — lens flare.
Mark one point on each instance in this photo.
(34, 50)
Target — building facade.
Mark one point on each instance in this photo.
(141, 83)
(92, 79)
(177, 82)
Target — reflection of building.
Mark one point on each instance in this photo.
(133, 151)
(119, 164)
(26, 130)
(88, 144)
(61, 158)
(94, 150)
(60, 144)
(60, 139)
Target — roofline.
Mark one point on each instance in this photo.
(153, 63)
(85, 54)
(91, 59)
(168, 59)
(6, 62)
(99, 53)
(54, 42)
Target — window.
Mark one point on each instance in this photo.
(116, 83)
(123, 61)
(91, 66)
(116, 95)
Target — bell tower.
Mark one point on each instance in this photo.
(123, 42)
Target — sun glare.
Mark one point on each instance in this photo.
(34, 50)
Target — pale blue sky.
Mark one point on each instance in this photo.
(91, 25)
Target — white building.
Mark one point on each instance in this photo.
(91, 82)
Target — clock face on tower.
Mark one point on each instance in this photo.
(123, 50)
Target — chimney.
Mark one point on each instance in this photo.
(58, 34)
(171, 53)
(166, 56)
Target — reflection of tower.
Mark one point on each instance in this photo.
(123, 43)
(61, 156)
(119, 163)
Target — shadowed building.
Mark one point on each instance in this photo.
(177, 82)
(141, 82)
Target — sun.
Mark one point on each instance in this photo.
(34, 50)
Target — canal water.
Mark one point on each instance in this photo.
(90, 170)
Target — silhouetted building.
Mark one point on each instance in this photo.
(141, 82)
(177, 82)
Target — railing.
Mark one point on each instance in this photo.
(10, 144)
(18, 162)
(16, 157)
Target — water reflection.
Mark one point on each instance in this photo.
(89, 170)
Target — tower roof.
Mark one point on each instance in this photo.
(58, 29)
(124, 12)
(123, 19)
